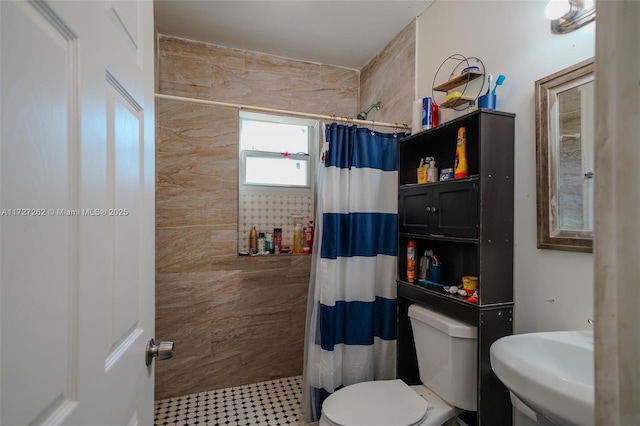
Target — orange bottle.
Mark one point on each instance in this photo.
(461, 169)
(411, 261)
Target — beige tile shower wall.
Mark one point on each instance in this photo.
(234, 320)
(222, 74)
(390, 78)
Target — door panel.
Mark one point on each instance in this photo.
(125, 18)
(124, 131)
(39, 248)
(415, 216)
(457, 214)
(77, 197)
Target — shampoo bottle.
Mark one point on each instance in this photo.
(253, 240)
(298, 237)
(461, 169)
(277, 240)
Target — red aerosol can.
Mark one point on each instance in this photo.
(434, 114)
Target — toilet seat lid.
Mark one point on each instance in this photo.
(379, 403)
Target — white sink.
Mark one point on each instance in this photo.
(552, 373)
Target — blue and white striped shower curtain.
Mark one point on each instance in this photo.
(351, 314)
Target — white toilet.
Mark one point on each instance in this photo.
(447, 355)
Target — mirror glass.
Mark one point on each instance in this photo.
(564, 148)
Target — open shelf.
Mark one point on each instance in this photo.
(436, 237)
(458, 81)
(452, 103)
(440, 182)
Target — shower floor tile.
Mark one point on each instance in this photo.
(274, 402)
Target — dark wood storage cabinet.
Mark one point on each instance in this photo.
(447, 208)
(468, 222)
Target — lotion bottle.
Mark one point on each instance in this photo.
(432, 171)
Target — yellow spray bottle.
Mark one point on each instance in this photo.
(461, 169)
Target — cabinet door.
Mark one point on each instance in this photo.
(456, 212)
(415, 206)
(448, 209)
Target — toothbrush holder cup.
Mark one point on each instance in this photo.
(487, 101)
(435, 273)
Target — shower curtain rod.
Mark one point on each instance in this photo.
(284, 112)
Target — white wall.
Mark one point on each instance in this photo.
(553, 289)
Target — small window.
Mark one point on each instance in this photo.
(275, 151)
(263, 169)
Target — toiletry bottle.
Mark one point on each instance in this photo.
(424, 267)
(432, 172)
(268, 242)
(261, 243)
(411, 261)
(298, 237)
(461, 169)
(277, 240)
(253, 240)
(422, 170)
(426, 113)
(309, 234)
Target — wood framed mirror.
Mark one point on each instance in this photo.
(564, 109)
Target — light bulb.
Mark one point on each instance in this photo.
(556, 9)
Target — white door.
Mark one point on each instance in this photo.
(77, 203)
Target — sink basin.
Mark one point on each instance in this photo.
(550, 372)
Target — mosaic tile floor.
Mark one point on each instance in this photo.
(267, 403)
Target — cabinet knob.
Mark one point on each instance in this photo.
(433, 209)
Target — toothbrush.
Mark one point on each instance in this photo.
(489, 79)
(499, 82)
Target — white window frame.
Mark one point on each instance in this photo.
(312, 147)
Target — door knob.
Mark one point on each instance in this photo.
(163, 350)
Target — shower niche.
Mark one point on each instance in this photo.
(468, 224)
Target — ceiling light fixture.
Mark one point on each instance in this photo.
(569, 15)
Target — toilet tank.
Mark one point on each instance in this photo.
(447, 356)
